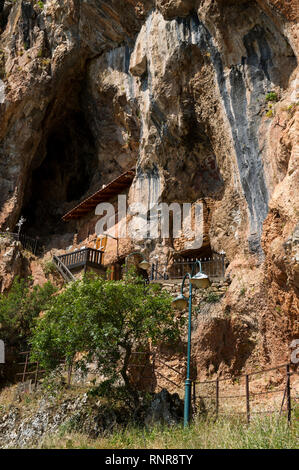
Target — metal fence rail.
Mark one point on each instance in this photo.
(216, 399)
(148, 364)
(204, 401)
(214, 267)
(28, 243)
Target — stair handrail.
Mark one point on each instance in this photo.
(64, 271)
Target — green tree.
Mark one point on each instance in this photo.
(19, 307)
(105, 320)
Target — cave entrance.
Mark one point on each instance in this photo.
(61, 177)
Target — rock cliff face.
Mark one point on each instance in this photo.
(179, 88)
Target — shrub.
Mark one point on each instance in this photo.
(19, 307)
(271, 96)
(49, 267)
(213, 297)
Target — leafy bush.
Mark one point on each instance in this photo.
(49, 267)
(105, 320)
(19, 307)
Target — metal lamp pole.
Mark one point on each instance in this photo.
(199, 280)
(188, 381)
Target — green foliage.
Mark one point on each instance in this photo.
(272, 96)
(20, 306)
(105, 320)
(269, 113)
(49, 267)
(212, 297)
(243, 291)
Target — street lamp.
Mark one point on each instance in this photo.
(144, 264)
(200, 280)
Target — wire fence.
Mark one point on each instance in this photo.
(150, 372)
(244, 395)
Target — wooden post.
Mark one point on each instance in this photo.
(36, 375)
(25, 368)
(153, 373)
(288, 390)
(194, 397)
(69, 375)
(217, 398)
(247, 399)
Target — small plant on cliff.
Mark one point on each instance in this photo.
(213, 297)
(243, 291)
(49, 267)
(271, 96)
(104, 321)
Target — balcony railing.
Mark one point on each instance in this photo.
(82, 258)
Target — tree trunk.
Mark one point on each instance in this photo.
(124, 374)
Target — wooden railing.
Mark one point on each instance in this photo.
(62, 268)
(87, 256)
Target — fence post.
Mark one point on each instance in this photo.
(153, 373)
(194, 397)
(152, 272)
(247, 399)
(69, 375)
(36, 375)
(217, 398)
(25, 368)
(288, 389)
(223, 266)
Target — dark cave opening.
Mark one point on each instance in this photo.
(61, 177)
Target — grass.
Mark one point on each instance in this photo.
(265, 433)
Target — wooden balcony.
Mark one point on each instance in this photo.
(88, 257)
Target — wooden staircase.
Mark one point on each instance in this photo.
(64, 271)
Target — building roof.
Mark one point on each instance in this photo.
(103, 195)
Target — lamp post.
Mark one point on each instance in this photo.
(200, 280)
(144, 264)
